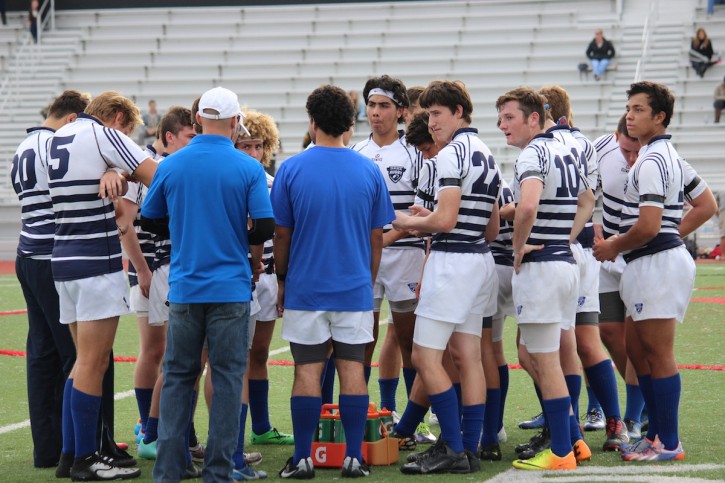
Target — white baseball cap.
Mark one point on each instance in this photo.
(222, 100)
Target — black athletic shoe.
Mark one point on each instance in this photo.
(442, 460)
(118, 457)
(352, 468)
(474, 463)
(191, 472)
(405, 443)
(64, 465)
(303, 470)
(94, 468)
(491, 452)
(537, 444)
(412, 458)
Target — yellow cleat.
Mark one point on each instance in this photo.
(546, 460)
(581, 451)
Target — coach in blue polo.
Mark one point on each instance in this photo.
(208, 191)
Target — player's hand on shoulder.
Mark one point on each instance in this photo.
(113, 185)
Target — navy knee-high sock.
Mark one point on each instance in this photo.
(259, 405)
(604, 384)
(328, 382)
(85, 408)
(503, 377)
(69, 441)
(409, 377)
(457, 388)
(650, 400)
(445, 405)
(667, 392)
(143, 400)
(367, 370)
(388, 388)
(574, 385)
(238, 457)
(557, 411)
(490, 420)
(353, 414)
(472, 426)
(635, 403)
(305, 416)
(592, 398)
(411, 418)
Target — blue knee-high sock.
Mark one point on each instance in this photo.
(575, 433)
(557, 411)
(592, 398)
(152, 430)
(143, 400)
(490, 420)
(388, 388)
(187, 434)
(353, 414)
(457, 388)
(238, 456)
(645, 385)
(305, 416)
(604, 385)
(367, 370)
(541, 402)
(409, 377)
(259, 405)
(635, 403)
(667, 392)
(574, 385)
(445, 405)
(69, 441)
(411, 418)
(503, 377)
(472, 426)
(85, 409)
(328, 382)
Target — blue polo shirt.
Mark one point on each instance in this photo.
(209, 189)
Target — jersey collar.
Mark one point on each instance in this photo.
(660, 137)
(559, 127)
(544, 135)
(39, 128)
(464, 130)
(83, 115)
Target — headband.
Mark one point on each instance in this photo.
(382, 92)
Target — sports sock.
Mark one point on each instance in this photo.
(353, 414)
(259, 405)
(575, 433)
(143, 400)
(557, 411)
(635, 403)
(409, 377)
(457, 388)
(445, 405)
(472, 425)
(645, 385)
(388, 388)
(574, 386)
(69, 441)
(85, 408)
(592, 398)
(152, 430)
(367, 370)
(604, 385)
(667, 392)
(490, 420)
(541, 402)
(305, 417)
(328, 382)
(238, 456)
(411, 418)
(503, 377)
(193, 439)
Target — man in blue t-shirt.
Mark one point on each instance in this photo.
(208, 190)
(330, 207)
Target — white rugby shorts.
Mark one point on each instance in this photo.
(399, 273)
(588, 300)
(139, 303)
(610, 275)
(159, 296)
(93, 298)
(267, 297)
(546, 292)
(310, 327)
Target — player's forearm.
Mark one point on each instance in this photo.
(282, 239)
(704, 207)
(392, 236)
(585, 206)
(523, 223)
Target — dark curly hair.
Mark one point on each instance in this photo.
(391, 84)
(417, 133)
(450, 94)
(660, 98)
(332, 110)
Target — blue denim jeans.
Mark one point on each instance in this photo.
(599, 66)
(225, 325)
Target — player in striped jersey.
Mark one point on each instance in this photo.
(50, 349)
(553, 204)
(86, 257)
(402, 260)
(649, 239)
(459, 283)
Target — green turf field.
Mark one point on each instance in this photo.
(702, 414)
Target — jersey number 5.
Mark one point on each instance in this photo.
(59, 156)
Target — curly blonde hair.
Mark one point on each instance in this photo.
(261, 126)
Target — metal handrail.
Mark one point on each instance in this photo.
(650, 24)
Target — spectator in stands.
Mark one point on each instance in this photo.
(701, 52)
(360, 111)
(32, 19)
(719, 100)
(2, 12)
(600, 53)
(711, 6)
(151, 120)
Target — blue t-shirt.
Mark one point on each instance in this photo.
(331, 198)
(208, 190)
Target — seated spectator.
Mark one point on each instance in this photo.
(711, 6)
(360, 111)
(719, 100)
(600, 53)
(701, 52)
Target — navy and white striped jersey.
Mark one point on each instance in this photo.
(400, 164)
(590, 156)
(425, 195)
(613, 171)
(467, 163)
(269, 244)
(162, 245)
(656, 179)
(502, 246)
(547, 160)
(135, 194)
(86, 237)
(29, 175)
